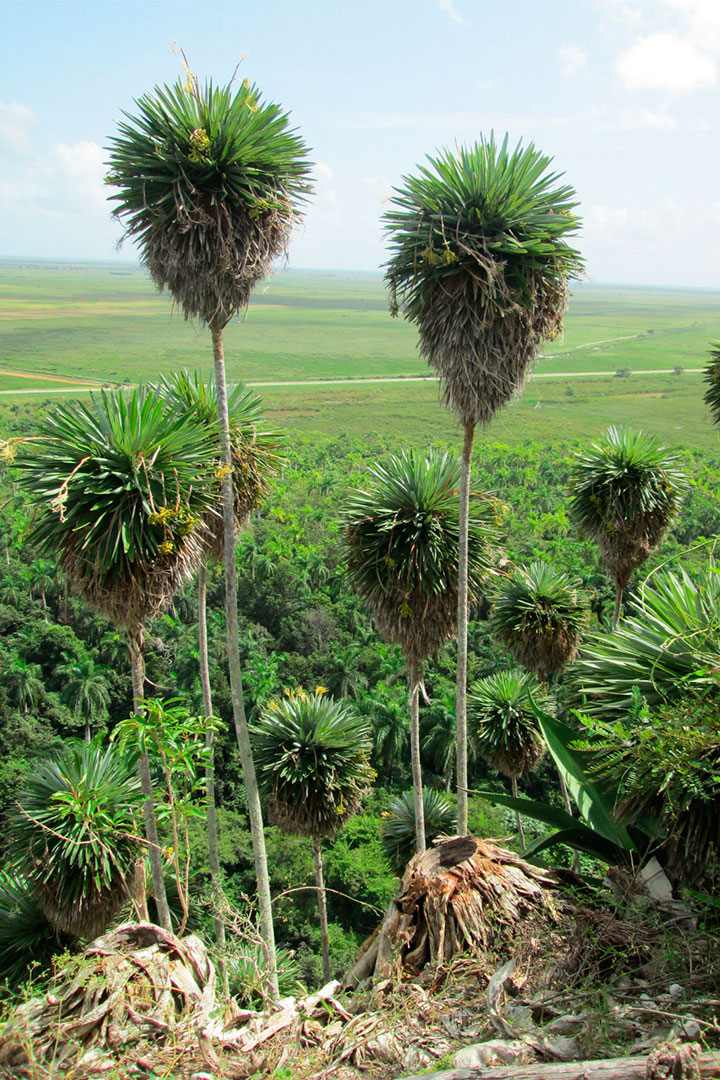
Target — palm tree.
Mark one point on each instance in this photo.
(312, 757)
(123, 485)
(254, 460)
(480, 264)
(41, 574)
(74, 836)
(398, 831)
(624, 492)
(667, 647)
(211, 182)
(538, 615)
(505, 729)
(402, 549)
(388, 717)
(711, 375)
(85, 688)
(440, 736)
(26, 682)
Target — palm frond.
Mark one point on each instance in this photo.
(398, 835)
(711, 376)
(256, 451)
(668, 645)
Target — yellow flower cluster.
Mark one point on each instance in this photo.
(200, 146)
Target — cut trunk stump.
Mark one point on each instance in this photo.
(454, 899)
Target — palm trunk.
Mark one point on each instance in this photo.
(618, 606)
(414, 677)
(322, 905)
(233, 650)
(461, 692)
(213, 856)
(518, 819)
(137, 663)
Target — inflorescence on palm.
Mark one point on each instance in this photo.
(209, 179)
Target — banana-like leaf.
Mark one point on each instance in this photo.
(540, 811)
(581, 838)
(596, 809)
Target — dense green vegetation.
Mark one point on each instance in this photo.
(301, 626)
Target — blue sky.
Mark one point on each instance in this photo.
(623, 94)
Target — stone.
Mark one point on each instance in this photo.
(494, 1052)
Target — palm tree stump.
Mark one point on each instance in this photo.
(453, 899)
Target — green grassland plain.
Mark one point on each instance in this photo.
(65, 325)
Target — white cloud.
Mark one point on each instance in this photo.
(702, 20)
(666, 62)
(15, 123)
(638, 117)
(74, 176)
(572, 59)
(449, 8)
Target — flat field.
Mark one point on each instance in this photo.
(67, 325)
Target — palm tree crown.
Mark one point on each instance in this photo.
(402, 548)
(312, 761)
(505, 731)
(480, 263)
(124, 484)
(539, 615)
(75, 836)
(208, 181)
(625, 490)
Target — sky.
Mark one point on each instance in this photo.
(623, 94)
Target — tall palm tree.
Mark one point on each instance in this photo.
(312, 757)
(25, 681)
(122, 486)
(210, 182)
(401, 534)
(624, 492)
(505, 729)
(85, 688)
(254, 460)
(480, 264)
(538, 614)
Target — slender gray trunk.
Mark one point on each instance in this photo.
(414, 677)
(137, 664)
(618, 606)
(518, 819)
(213, 856)
(322, 905)
(233, 649)
(461, 692)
